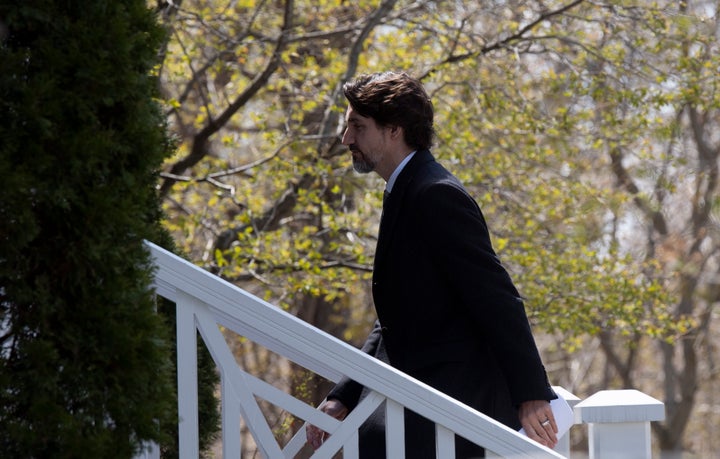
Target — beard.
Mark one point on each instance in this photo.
(361, 163)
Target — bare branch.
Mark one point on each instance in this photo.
(212, 178)
(258, 274)
(520, 34)
(246, 167)
(629, 185)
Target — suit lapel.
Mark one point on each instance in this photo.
(393, 204)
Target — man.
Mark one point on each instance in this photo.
(448, 312)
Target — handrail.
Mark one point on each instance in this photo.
(205, 301)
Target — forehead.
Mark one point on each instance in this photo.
(352, 116)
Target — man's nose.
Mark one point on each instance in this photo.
(346, 140)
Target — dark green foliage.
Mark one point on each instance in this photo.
(85, 366)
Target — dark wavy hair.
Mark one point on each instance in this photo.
(394, 99)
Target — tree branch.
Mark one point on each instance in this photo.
(200, 144)
(628, 184)
(520, 34)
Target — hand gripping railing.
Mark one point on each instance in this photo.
(205, 301)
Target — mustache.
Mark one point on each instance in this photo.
(354, 148)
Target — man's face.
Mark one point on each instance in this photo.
(367, 141)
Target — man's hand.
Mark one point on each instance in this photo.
(315, 436)
(537, 419)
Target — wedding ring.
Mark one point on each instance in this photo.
(545, 422)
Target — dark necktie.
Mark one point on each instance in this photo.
(386, 194)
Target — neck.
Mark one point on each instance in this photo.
(393, 161)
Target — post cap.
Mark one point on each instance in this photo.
(611, 406)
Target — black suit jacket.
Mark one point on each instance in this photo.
(449, 314)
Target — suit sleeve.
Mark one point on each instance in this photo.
(348, 391)
(453, 222)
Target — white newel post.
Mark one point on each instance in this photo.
(563, 446)
(619, 423)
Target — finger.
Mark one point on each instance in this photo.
(535, 431)
(540, 431)
(314, 437)
(538, 437)
(552, 427)
(318, 441)
(547, 432)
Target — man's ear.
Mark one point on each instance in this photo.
(396, 132)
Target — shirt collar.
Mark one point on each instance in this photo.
(396, 172)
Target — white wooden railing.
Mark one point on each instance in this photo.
(205, 302)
